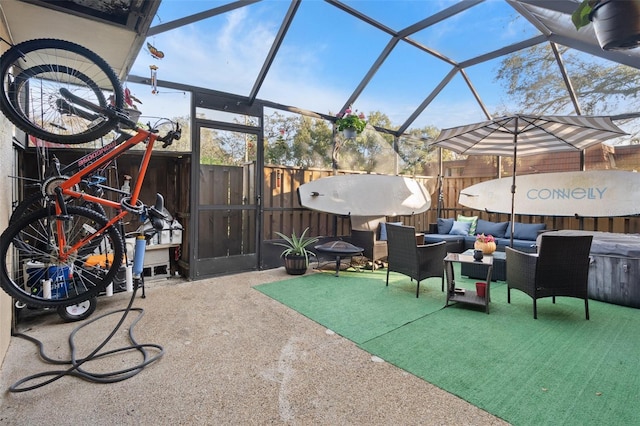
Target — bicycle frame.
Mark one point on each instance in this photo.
(99, 158)
(61, 246)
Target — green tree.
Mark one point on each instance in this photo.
(297, 141)
(210, 150)
(370, 151)
(301, 141)
(312, 143)
(415, 152)
(532, 77)
(277, 132)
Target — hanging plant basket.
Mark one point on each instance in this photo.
(349, 133)
(617, 24)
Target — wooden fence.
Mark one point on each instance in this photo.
(283, 213)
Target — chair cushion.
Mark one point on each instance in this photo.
(444, 225)
(366, 223)
(473, 220)
(460, 228)
(497, 229)
(525, 231)
(383, 230)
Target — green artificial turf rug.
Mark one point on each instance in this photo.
(558, 369)
(350, 304)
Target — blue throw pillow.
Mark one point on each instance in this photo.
(525, 231)
(460, 228)
(496, 229)
(383, 230)
(444, 225)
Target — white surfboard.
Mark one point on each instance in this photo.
(599, 193)
(365, 195)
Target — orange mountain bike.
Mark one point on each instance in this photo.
(67, 252)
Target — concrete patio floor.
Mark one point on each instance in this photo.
(232, 356)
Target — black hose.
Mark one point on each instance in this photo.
(76, 371)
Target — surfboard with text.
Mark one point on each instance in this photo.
(365, 195)
(600, 193)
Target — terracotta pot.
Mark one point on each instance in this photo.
(487, 248)
(617, 24)
(295, 265)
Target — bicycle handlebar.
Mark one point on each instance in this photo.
(171, 136)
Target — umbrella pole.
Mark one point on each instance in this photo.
(513, 184)
(440, 205)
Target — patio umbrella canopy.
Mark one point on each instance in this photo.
(527, 135)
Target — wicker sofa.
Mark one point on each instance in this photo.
(524, 237)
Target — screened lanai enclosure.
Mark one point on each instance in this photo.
(258, 86)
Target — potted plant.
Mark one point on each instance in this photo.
(616, 23)
(296, 255)
(351, 123)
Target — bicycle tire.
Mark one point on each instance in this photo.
(34, 71)
(29, 257)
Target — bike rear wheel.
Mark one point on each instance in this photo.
(33, 74)
(33, 271)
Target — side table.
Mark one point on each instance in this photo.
(467, 296)
(478, 271)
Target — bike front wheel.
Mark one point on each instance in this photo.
(35, 75)
(49, 261)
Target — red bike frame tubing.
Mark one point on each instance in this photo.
(75, 179)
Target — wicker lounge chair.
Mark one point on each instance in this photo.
(365, 233)
(416, 261)
(374, 249)
(561, 268)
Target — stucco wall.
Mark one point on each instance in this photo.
(6, 167)
(6, 163)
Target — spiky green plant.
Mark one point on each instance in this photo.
(296, 246)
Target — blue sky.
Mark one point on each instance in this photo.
(327, 52)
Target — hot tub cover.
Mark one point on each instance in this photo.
(607, 243)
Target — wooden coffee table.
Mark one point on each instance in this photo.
(467, 296)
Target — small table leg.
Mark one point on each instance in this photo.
(450, 280)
